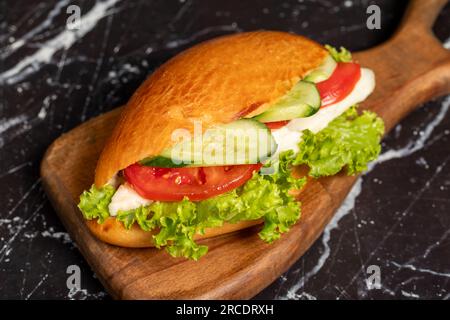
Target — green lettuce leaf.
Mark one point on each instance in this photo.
(341, 55)
(94, 203)
(350, 141)
(264, 197)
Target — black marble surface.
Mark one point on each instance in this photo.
(51, 79)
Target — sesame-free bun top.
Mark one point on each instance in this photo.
(214, 82)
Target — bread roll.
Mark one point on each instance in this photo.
(215, 82)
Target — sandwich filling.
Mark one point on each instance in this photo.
(315, 125)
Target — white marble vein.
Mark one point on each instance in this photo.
(418, 269)
(416, 144)
(58, 235)
(37, 286)
(23, 197)
(6, 248)
(345, 208)
(63, 40)
(15, 169)
(19, 43)
(402, 215)
(410, 294)
(6, 124)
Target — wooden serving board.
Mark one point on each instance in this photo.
(411, 68)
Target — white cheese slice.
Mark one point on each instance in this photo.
(124, 199)
(286, 139)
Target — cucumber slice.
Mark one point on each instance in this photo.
(303, 100)
(323, 72)
(244, 141)
(161, 162)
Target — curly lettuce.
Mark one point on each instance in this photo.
(341, 55)
(350, 141)
(265, 197)
(94, 203)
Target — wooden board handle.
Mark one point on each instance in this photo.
(421, 15)
(411, 67)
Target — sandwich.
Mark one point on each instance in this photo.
(208, 144)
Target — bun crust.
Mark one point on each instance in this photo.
(113, 232)
(214, 82)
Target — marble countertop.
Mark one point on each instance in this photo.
(396, 217)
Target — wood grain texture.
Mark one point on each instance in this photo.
(411, 68)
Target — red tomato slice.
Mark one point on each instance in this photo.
(340, 83)
(276, 125)
(198, 183)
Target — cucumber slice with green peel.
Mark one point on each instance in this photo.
(244, 141)
(161, 162)
(303, 100)
(323, 72)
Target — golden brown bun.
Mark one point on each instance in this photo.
(215, 82)
(113, 232)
